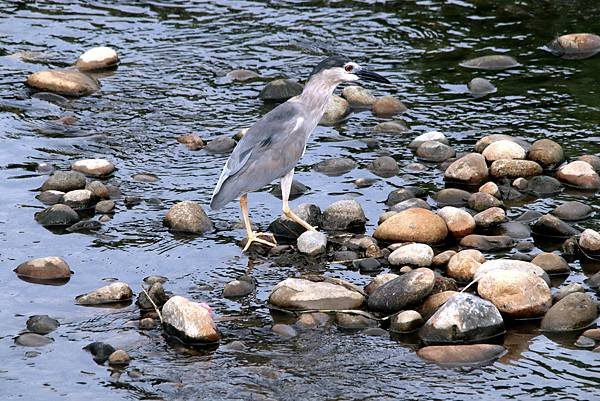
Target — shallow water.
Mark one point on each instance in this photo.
(170, 83)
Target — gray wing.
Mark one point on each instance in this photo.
(269, 150)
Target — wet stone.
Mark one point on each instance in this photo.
(242, 75)
(461, 354)
(410, 203)
(105, 206)
(364, 182)
(287, 231)
(469, 169)
(412, 254)
(335, 166)
(490, 217)
(452, 197)
(401, 194)
(240, 287)
(573, 312)
(459, 222)
(337, 108)
(312, 243)
(384, 166)
(388, 106)
(529, 216)
(358, 97)
(566, 290)
(480, 201)
(145, 177)
(97, 58)
(378, 281)
(590, 240)
(575, 46)
(112, 293)
(433, 151)
(280, 90)
(551, 226)
(503, 149)
(543, 185)
(579, 174)
(464, 264)
(284, 330)
(479, 87)
(79, 199)
(585, 342)
(428, 137)
(344, 215)
(188, 217)
(189, 321)
(505, 168)
(33, 340)
(100, 351)
(297, 189)
(572, 211)
(491, 62)
(85, 226)
(42, 324)
(352, 321)
(220, 144)
(403, 291)
(417, 225)
(300, 294)
(50, 197)
(64, 181)
(546, 153)
(119, 358)
(551, 263)
(98, 189)
(94, 167)
(48, 268)
(393, 127)
(63, 82)
(375, 332)
(191, 141)
(487, 242)
(157, 296)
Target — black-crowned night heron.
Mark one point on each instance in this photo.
(271, 148)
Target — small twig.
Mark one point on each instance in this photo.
(153, 304)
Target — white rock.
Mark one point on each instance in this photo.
(94, 167)
(412, 254)
(510, 264)
(297, 293)
(312, 243)
(503, 149)
(115, 292)
(97, 58)
(78, 199)
(590, 240)
(189, 321)
(428, 136)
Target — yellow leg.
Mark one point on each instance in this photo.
(252, 236)
(286, 185)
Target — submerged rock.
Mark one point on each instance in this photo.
(543, 185)
(388, 106)
(188, 217)
(344, 215)
(48, 268)
(460, 223)
(63, 82)
(42, 324)
(403, 291)
(396, 127)
(97, 58)
(94, 167)
(572, 211)
(480, 87)
(64, 181)
(491, 62)
(119, 358)
(280, 90)
(461, 354)
(33, 340)
(220, 144)
(100, 351)
(416, 225)
(464, 318)
(469, 169)
(384, 166)
(192, 141)
(112, 293)
(434, 151)
(301, 294)
(189, 321)
(579, 174)
(428, 137)
(575, 46)
(487, 242)
(58, 215)
(242, 75)
(574, 312)
(335, 166)
(244, 285)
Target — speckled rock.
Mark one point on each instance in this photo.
(79, 199)
(358, 97)
(469, 169)
(503, 149)
(296, 293)
(188, 217)
(58, 215)
(344, 215)
(337, 108)
(590, 240)
(416, 225)
(115, 292)
(459, 222)
(574, 312)
(490, 188)
(97, 58)
(505, 168)
(63, 82)
(490, 217)
(464, 264)
(64, 181)
(189, 321)
(47, 268)
(480, 201)
(406, 290)
(94, 167)
(312, 243)
(412, 254)
(579, 174)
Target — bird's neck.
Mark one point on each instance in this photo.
(316, 94)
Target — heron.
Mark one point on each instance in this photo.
(272, 147)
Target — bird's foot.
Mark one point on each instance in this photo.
(256, 237)
(293, 216)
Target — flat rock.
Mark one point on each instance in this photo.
(280, 90)
(503, 149)
(335, 166)
(350, 321)
(312, 243)
(393, 127)
(572, 211)
(112, 293)
(188, 217)
(459, 222)
(47, 268)
(189, 321)
(546, 153)
(94, 167)
(551, 263)
(412, 254)
(220, 144)
(63, 82)
(85, 226)
(579, 174)
(464, 264)
(64, 181)
(58, 215)
(574, 312)
(469, 169)
(461, 354)
(487, 242)
(97, 58)
(358, 97)
(301, 294)
(42, 324)
(413, 225)
(428, 137)
(406, 290)
(434, 151)
(344, 215)
(551, 226)
(32, 340)
(79, 199)
(491, 62)
(506, 168)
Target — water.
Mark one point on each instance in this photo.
(169, 83)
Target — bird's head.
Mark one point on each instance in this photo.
(341, 69)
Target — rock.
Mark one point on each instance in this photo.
(510, 265)
(147, 323)
(551, 226)
(48, 268)
(569, 289)
(487, 242)
(521, 183)
(97, 58)
(585, 342)
(119, 358)
(503, 149)
(490, 217)
(312, 243)
(462, 354)
(144, 177)
(79, 199)
(99, 190)
(351, 321)
(491, 62)
(32, 340)
(220, 144)
(388, 106)
(85, 226)
(344, 215)
(412, 254)
(442, 259)
(452, 197)
(337, 108)
(58, 215)
(64, 181)
(242, 75)
(517, 294)
(489, 139)
(469, 169)
(42, 324)
(592, 160)
(296, 293)
(297, 189)
(463, 318)
(115, 292)
(105, 206)
(157, 294)
(434, 151)
(192, 141)
(542, 186)
(575, 46)
(413, 225)
(406, 321)
(100, 351)
(546, 153)
(94, 167)
(410, 204)
(551, 263)
(593, 334)
(464, 264)
(395, 127)
(579, 174)
(188, 217)
(63, 82)
(287, 231)
(402, 194)
(574, 312)
(335, 166)
(189, 321)
(384, 166)
(378, 281)
(375, 332)
(590, 241)
(480, 87)
(358, 97)
(428, 137)
(490, 188)
(480, 201)
(368, 265)
(403, 291)
(460, 223)
(433, 302)
(515, 168)
(593, 281)
(280, 90)
(284, 330)
(50, 197)
(244, 285)
(572, 211)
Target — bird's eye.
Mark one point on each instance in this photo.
(349, 67)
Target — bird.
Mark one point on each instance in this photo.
(274, 144)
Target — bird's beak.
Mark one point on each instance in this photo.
(367, 75)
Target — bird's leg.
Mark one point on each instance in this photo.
(252, 236)
(286, 186)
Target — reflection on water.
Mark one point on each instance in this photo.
(169, 83)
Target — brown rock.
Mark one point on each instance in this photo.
(64, 82)
(469, 169)
(464, 264)
(461, 354)
(433, 302)
(460, 223)
(546, 152)
(388, 106)
(551, 263)
(416, 225)
(490, 217)
(515, 168)
(480, 201)
(487, 242)
(48, 268)
(579, 174)
(442, 259)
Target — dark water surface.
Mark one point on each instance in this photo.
(169, 83)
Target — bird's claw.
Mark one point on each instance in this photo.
(255, 237)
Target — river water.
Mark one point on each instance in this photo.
(169, 82)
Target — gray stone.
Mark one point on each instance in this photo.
(189, 321)
(412, 254)
(487, 242)
(480, 87)
(188, 217)
(551, 263)
(543, 185)
(574, 312)
(64, 181)
(335, 166)
(85, 226)
(551, 226)
(100, 351)
(33, 340)
(112, 293)
(384, 166)
(452, 197)
(410, 203)
(426, 137)
(50, 197)
(572, 211)
(312, 243)
(491, 62)
(287, 231)
(42, 324)
(220, 144)
(480, 201)
(280, 90)
(302, 294)
(352, 321)
(434, 151)
(158, 297)
(402, 194)
(403, 291)
(79, 199)
(344, 215)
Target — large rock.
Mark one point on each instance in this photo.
(58, 215)
(487, 242)
(94, 167)
(63, 82)
(579, 174)
(469, 169)
(464, 264)
(64, 181)
(461, 354)
(301, 294)
(337, 108)
(112, 293)
(48, 268)
(344, 215)
(406, 290)
(413, 225)
(452, 197)
(188, 217)
(546, 153)
(464, 318)
(491, 62)
(574, 312)
(575, 46)
(590, 240)
(551, 226)
(503, 149)
(287, 231)
(189, 321)
(507, 168)
(412, 254)
(517, 294)
(543, 185)
(510, 265)
(551, 263)
(388, 106)
(280, 90)
(572, 211)
(460, 223)
(358, 97)
(97, 58)
(484, 142)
